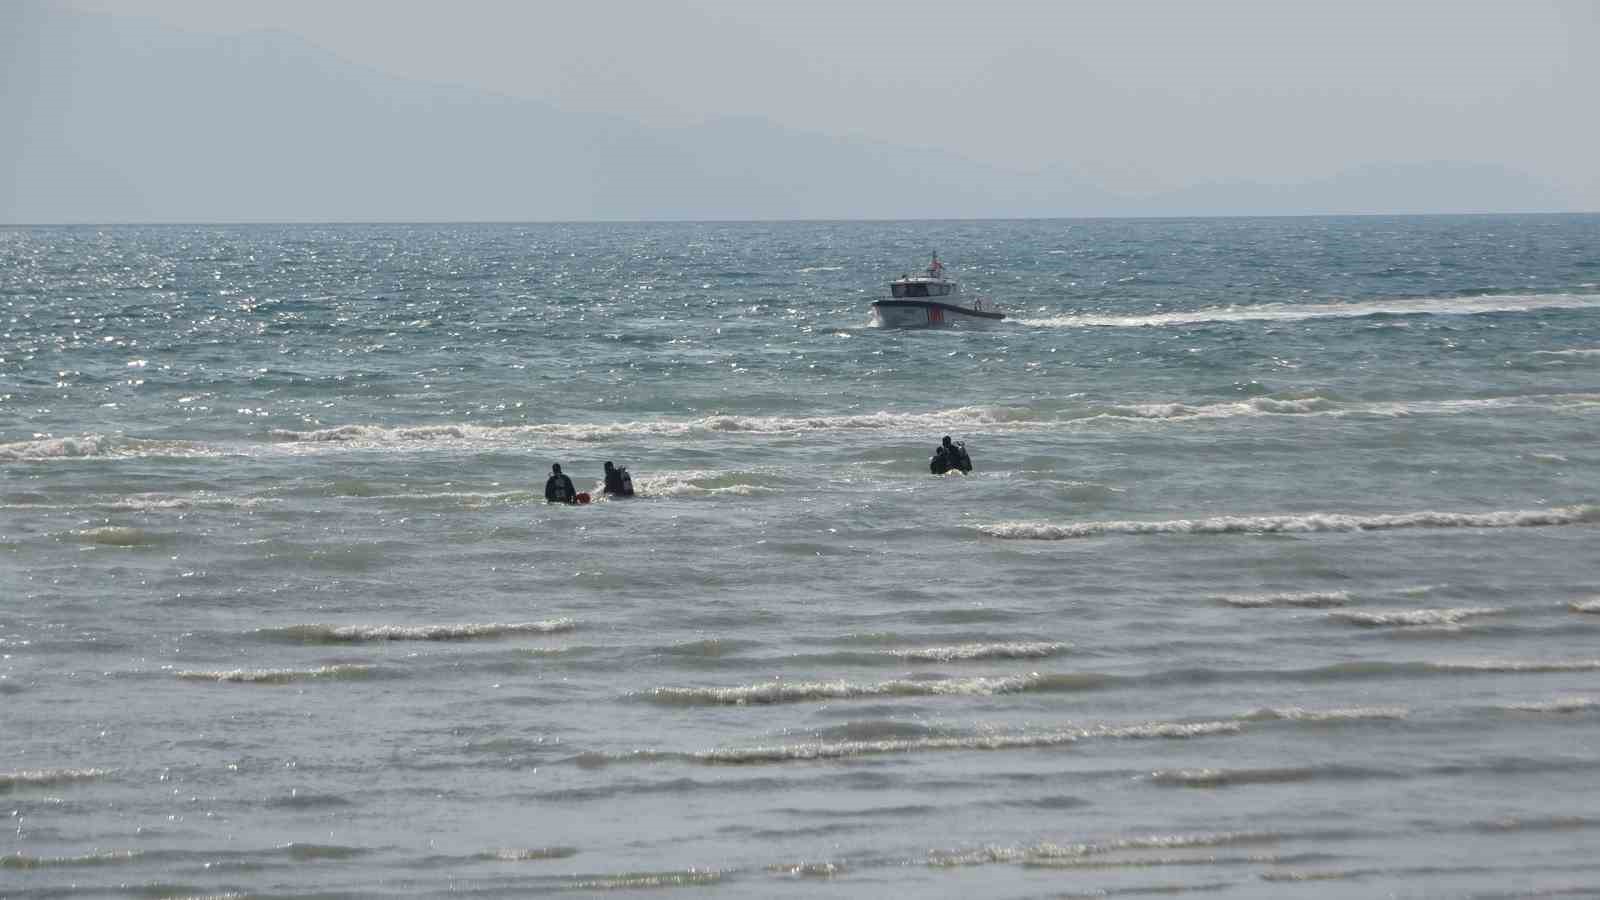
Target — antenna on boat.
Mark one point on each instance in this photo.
(936, 268)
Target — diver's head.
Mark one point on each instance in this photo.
(609, 466)
(947, 440)
(555, 468)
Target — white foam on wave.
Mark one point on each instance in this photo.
(48, 777)
(115, 536)
(92, 446)
(167, 502)
(1413, 617)
(1591, 606)
(697, 483)
(1292, 312)
(1053, 851)
(57, 448)
(1300, 714)
(988, 742)
(463, 631)
(910, 423)
(636, 881)
(1307, 523)
(1305, 599)
(779, 691)
(1513, 666)
(277, 676)
(21, 860)
(1000, 650)
(1575, 351)
(1559, 705)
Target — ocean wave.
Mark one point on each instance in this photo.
(779, 691)
(1053, 851)
(1413, 617)
(528, 854)
(699, 483)
(1350, 714)
(585, 432)
(1001, 650)
(20, 860)
(1574, 351)
(1216, 778)
(1254, 406)
(119, 536)
(58, 448)
(21, 778)
(340, 634)
(163, 502)
(635, 881)
(89, 446)
(1294, 312)
(1560, 705)
(279, 676)
(1585, 606)
(1294, 524)
(1308, 599)
(815, 750)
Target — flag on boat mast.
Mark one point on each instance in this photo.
(937, 268)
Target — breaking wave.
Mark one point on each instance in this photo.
(21, 860)
(1351, 714)
(1309, 599)
(1561, 705)
(342, 634)
(1413, 617)
(846, 749)
(1215, 778)
(279, 676)
(626, 882)
(582, 432)
(1312, 522)
(1003, 650)
(1294, 312)
(119, 536)
(1585, 606)
(99, 446)
(21, 778)
(1049, 851)
(803, 691)
(528, 854)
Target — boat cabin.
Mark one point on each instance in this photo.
(933, 284)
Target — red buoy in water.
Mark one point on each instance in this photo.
(583, 497)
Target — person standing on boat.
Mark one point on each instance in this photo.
(618, 482)
(558, 487)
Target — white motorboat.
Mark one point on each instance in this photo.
(930, 300)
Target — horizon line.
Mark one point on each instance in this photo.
(131, 223)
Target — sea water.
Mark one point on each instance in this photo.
(1276, 574)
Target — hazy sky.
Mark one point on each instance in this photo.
(1137, 97)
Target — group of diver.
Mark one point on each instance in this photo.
(618, 483)
(558, 487)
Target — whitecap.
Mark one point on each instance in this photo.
(1290, 524)
(277, 676)
(1310, 599)
(1413, 617)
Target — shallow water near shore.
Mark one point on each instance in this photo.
(1277, 570)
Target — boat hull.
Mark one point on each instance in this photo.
(928, 314)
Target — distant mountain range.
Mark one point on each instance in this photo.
(119, 120)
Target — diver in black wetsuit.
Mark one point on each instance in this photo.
(618, 482)
(949, 456)
(558, 487)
